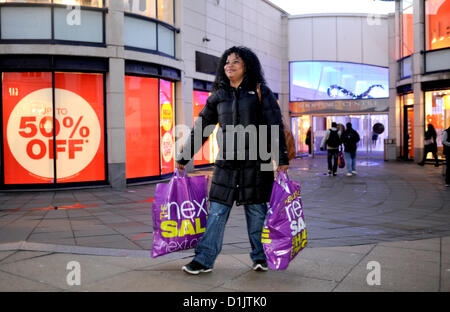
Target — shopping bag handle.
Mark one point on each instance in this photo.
(177, 173)
(282, 176)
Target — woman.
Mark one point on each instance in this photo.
(308, 140)
(430, 145)
(237, 176)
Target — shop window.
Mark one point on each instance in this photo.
(166, 40)
(26, 23)
(91, 3)
(90, 30)
(208, 153)
(65, 20)
(300, 126)
(149, 124)
(142, 127)
(142, 7)
(144, 27)
(162, 10)
(165, 11)
(47, 129)
(437, 24)
(25, 1)
(139, 33)
(167, 120)
(437, 113)
(407, 34)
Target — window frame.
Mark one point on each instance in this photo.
(54, 184)
(156, 13)
(157, 24)
(52, 6)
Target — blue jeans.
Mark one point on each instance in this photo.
(351, 166)
(210, 245)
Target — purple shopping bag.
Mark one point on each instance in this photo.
(341, 160)
(179, 213)
(284, 232)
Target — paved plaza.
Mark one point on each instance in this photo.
(394, 213)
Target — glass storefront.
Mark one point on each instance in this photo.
(149, 125)
(300, 126)
(407, 126)
(437, 113)
(160, 9)
(437, 24)
(372, 128)
(52, 134)
(406, 26)
(208, 153)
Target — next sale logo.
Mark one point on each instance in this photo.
(294, 212)
(188, 213)
(30, 134)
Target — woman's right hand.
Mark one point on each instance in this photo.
(179, 166)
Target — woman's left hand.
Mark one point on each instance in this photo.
(283, 167)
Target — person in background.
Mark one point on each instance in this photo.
(446, 144)
(430, 145)
(350, 138)
(331, 142)
(233, 103)
(308, 140)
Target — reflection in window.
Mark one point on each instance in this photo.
(143, 7)
(437, 24)
(90, 30)
(148, 8)
(139, 33)
(165, 11)
(26, 23)
(437, 112)
(91, 3)
(407, 41)
(166, 41)
(25, 1)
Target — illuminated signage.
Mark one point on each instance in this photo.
(43, 132)
(312, 81)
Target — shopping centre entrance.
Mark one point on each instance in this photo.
(372, 129)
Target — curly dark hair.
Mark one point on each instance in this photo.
(253, 71)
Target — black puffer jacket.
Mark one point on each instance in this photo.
(240, 178)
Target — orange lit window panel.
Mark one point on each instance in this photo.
(142, 127)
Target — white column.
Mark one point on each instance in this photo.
(418, 69)
(115, 96)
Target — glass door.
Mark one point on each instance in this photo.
(372, 129)
(300, 126)
(407, 137)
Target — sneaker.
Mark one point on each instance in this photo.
(260, 265)
(349, 174)
(354, 172)
(329, 172)
(447, 185)
(195, 268)
(334, 174)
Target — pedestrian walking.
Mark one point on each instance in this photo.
(331, 142)
(234, 102)
(430, 145)
(350, 138)
(446, 144)
(308, 140)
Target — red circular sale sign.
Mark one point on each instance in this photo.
(31, 139)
